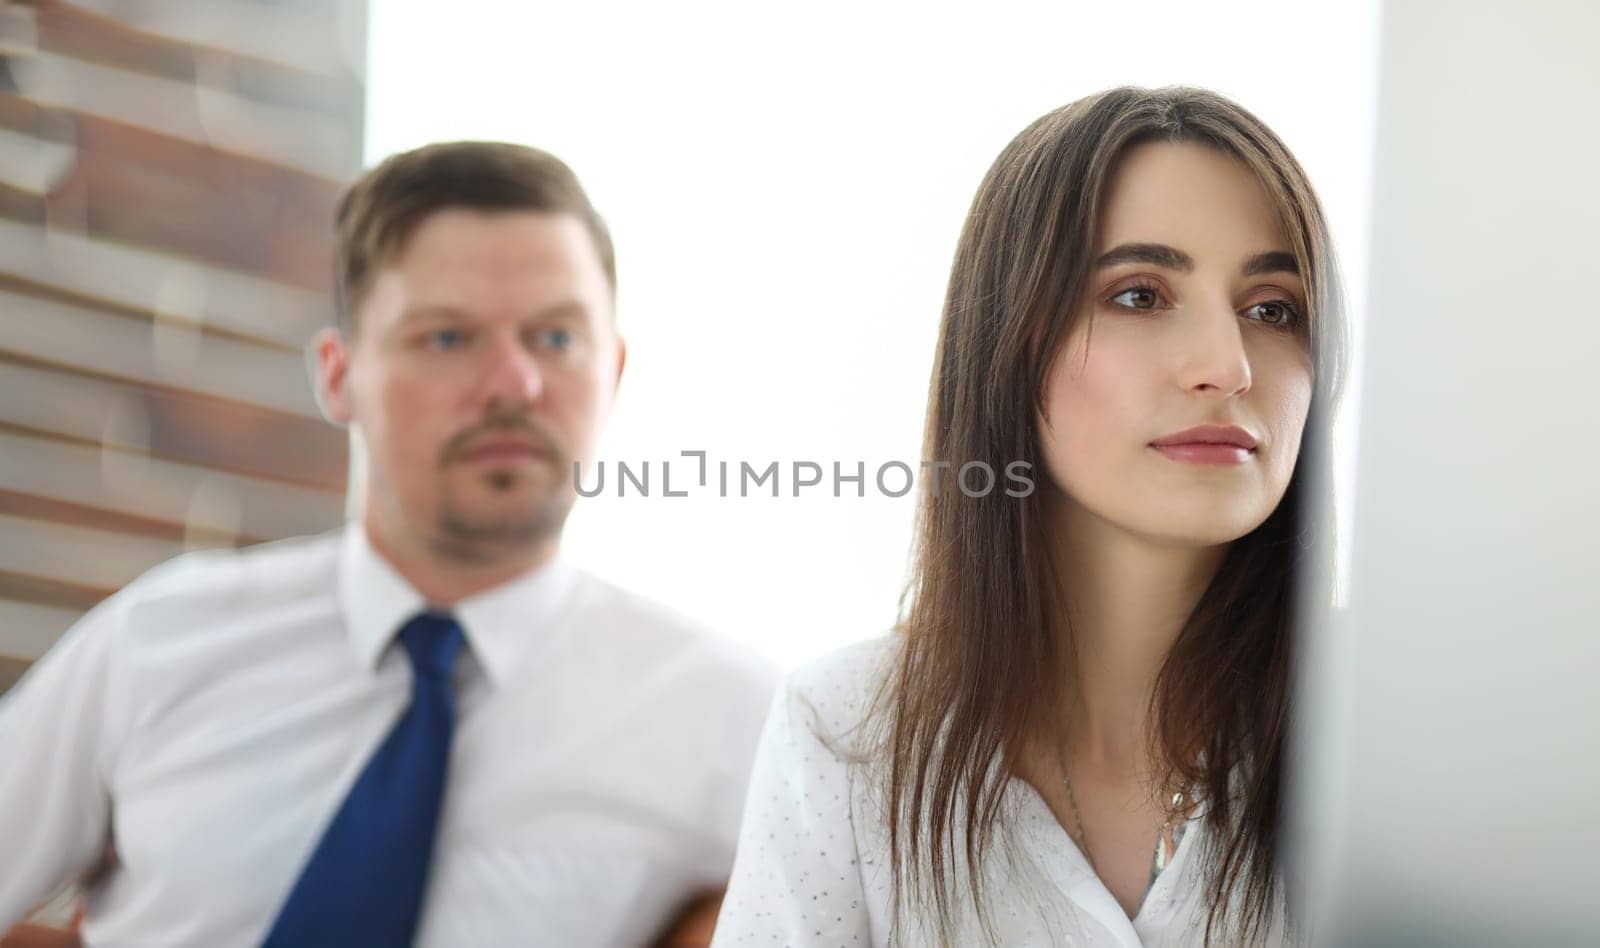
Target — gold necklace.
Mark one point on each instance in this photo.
(1164, 851)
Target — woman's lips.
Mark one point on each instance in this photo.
(1196, 452)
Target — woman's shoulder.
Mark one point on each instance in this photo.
(835, 693)
(845, 671)
(798, 876)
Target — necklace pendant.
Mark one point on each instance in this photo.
(1163, 851)
(1168, 838)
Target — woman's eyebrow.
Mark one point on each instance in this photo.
(1159, 255)
(1276, 261)
(1171, 258)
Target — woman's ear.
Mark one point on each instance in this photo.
(330, 372)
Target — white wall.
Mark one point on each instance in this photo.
(786, 185)
(1456, 726)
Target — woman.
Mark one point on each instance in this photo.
(1078, 734)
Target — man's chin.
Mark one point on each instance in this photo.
(496, 530)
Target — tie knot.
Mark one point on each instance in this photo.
(433, 640)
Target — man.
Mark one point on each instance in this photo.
(425, 726)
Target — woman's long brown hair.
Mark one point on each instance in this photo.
(978, 668)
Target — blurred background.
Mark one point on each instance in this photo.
(785, 185)
(168, 172)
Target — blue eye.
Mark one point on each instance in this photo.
(1282, 313)
(557, 339)
(444, 339)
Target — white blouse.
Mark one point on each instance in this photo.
(813, 862)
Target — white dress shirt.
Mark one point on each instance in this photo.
(209, 719)
(813, 861)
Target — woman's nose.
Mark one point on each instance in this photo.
(1216, 356)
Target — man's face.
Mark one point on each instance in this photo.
(483, 364)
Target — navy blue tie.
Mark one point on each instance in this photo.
(364, 882)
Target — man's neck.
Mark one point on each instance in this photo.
(444, 580)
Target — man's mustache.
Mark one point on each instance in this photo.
(543, 441)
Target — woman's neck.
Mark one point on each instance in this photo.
(1128, 598)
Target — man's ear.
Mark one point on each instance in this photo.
(331, 374)
(622, 360)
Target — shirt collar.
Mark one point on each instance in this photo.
(502, 624)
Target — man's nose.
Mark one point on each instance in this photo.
(513, 375)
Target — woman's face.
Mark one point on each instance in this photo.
(1194, 303)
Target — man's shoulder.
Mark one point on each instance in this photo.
(276, 573)
(651, 630)
(218, 597)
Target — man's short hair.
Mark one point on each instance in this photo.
(381, 210)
